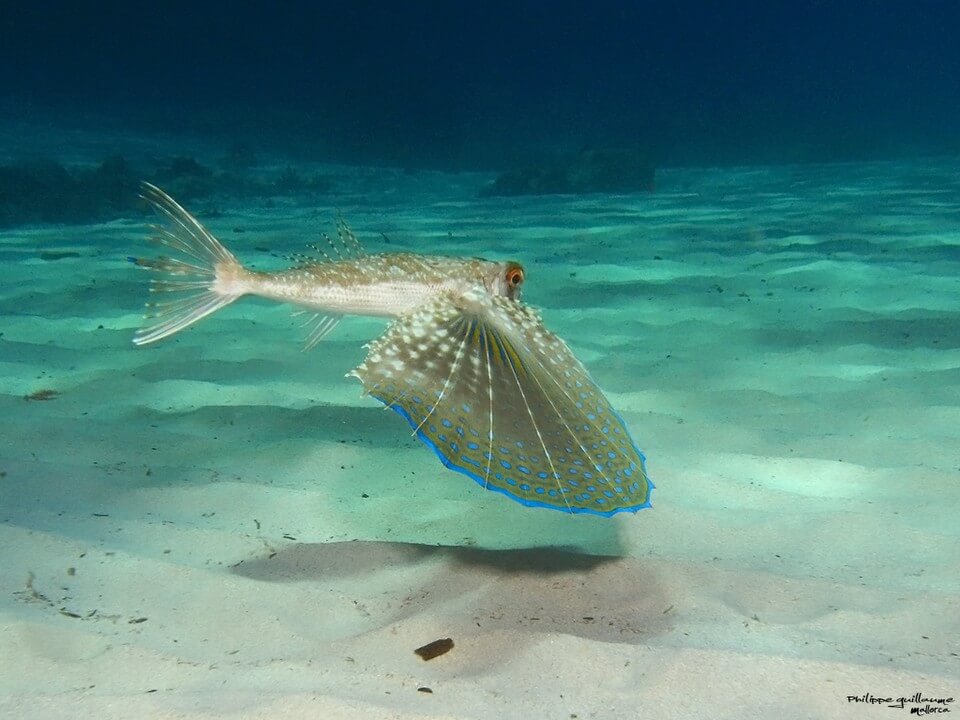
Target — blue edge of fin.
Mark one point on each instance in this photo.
(523, 501)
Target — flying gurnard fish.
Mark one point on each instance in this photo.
(481, 381)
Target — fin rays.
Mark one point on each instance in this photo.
(192, 279)
(346, 247)
(191, 236)
(322, 326)
(533, 421)
(546, 437)
(446, 383)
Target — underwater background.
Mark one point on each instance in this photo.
(744, 218)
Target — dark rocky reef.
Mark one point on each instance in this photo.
(183, 177)
(292, 182)
(45, 191)
(609, 170)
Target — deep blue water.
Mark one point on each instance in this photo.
(489, 84)
(221, 524)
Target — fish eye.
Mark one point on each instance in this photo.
(514, 277)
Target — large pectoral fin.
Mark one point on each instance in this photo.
(501, 399)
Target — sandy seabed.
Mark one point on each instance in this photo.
(220, 526)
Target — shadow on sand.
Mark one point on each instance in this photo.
(483, 596)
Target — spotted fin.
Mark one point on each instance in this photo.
(501, 399)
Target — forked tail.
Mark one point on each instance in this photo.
(201, 278)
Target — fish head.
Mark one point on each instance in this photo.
(506, 279)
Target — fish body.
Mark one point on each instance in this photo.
(479, 379)
(384, 285)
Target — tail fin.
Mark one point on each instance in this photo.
(205, 278)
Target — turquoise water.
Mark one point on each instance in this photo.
(222, 518)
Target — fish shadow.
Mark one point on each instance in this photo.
(491, 602)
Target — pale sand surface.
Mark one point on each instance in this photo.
(220, 526)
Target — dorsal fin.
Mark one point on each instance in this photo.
(300, 259)
(351, 245)
(346, 246)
